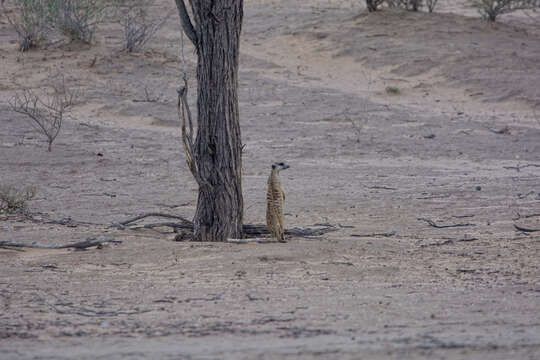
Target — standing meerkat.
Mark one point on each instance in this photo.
(275, 199)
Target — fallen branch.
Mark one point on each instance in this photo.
(89, 242)
(386, 234)
(121, 225)
(449, 242)
(446, 242)
(84, 311)
(519, 167)
(380, 187)
(523, 196)
(340, 263)
(434, 197)
(432, 223)
(463, 216)
(163, 224)
(519, 216)
(524, 229)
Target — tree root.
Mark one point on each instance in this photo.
(250, 230)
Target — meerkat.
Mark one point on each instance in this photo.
(275, 199)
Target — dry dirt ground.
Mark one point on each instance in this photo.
(456, 142)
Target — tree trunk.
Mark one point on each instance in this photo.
(218, 146)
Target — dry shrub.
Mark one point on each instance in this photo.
(30, 19)
(490, 9)
(411, 5)
(77, 18)
(13, 200)
(373, 5)
(138, 28)
(47, 111)
(430, 4)
(34, 19)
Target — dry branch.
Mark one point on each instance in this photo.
(152, 214)
(524, 229)
(386, 234)
(432, 223)
(449, 242)
(520, 216)
(89, 242)
(84, 311)
(519, 167)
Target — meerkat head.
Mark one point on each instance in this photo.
(279, 166)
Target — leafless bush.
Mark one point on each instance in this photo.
(77, 18)
(13, 200)
(490, 9)
(46, 112)
(411, 5)
(30, 21)
(150, 95)
(138, 29)
(430, 4)
(373, 5)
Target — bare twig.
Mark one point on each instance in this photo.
(438, 196)
(152, 214)
(89, 242)
(463, 216)
(84, 311)
(380, 187)
(449, 241)
(519, 167)
(340, 263)
(432, 223)
(184, 113)
(523, 196)
(520, 216)
(386, 234)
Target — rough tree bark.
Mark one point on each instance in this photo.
(214, 28)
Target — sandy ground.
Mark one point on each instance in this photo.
(313, 80)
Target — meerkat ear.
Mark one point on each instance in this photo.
(273, 166)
